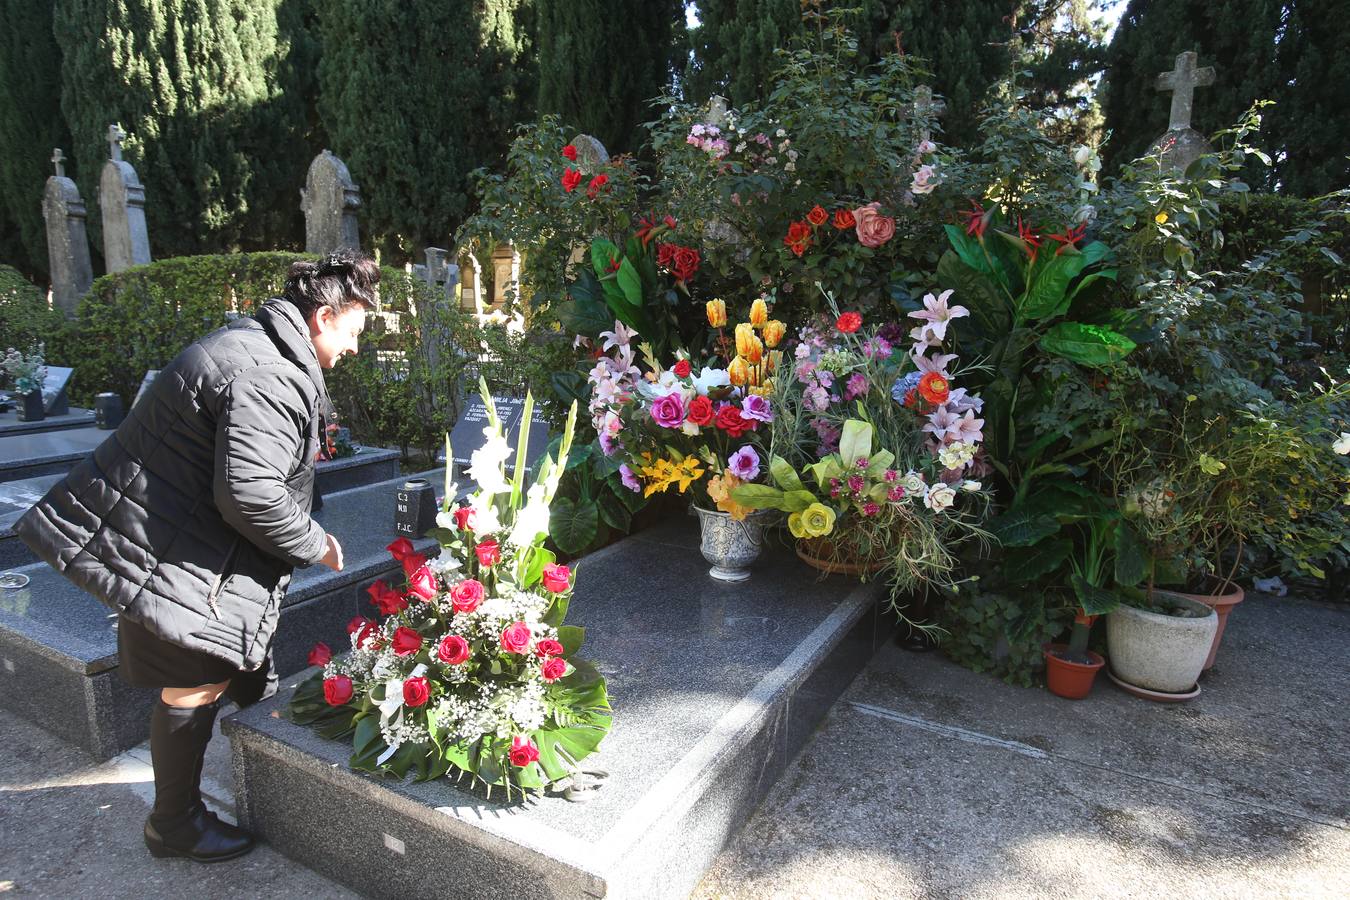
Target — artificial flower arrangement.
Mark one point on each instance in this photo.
(891, 447)
(472, 670)
(696, 427)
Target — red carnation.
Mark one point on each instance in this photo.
(596, 184)
(798, 237)
(685, 263)
(464, 518)
(843, 219)
(523, 751)
(321, 655)
(452, 650)
(700, 411)
(466, 595)
(571, 178)
(387, 600)
(516, 638)
(337, 690)
(557, 578)
(489, 554)
(817, 216)
(553, 669)
(570, 152)
(682, 368)
(416, 691)
(849, 322)
(400, 549)
(423, 584)
(406, 642)
(549, 647)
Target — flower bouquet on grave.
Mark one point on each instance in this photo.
(472, 670)
(698, 428)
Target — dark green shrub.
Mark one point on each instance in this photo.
(26, 319)
(1001, 635)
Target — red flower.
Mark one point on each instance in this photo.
(553, 669)
(613, 265)
(466, 595)
(730, 420)
(337, 690)
(977, 220)
(798, 237)
(452, 650)
(684, 263)
(682, 368)
(387, 600)
(549, 647)
(670, 221)
(321, 655)
(523, 751)
(516, 638)
(570, 152)
(700, 411)
(849, 322)
(1069, 238)
(665, 255)
(489, 554)
(423, 584)
(557, 578)
(400, 549)
(357, 623)
(596, 184)
(416, 691)
(934, 388)
(843, 219)
(571, 178)
(912, 400)
(364, 629)
(1029, 237)
(412, 562)
(817, 216)
(464, 518)
(406, 642)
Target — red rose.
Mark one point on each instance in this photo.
(849, 322)
(665, 254)
(363, 628)
(571, 178)
(423, 584)
(337, 690)
(416, 691)
(570, 152)
(557, 578)
(700, 411)
(412, 562)
(406, 641)
(685, 263)
(596, 184)
(516, 638)
(464, 518)
(320, 655)
(387, 600)
(730, 420)
(356, 624)
(682, 368)
(466, 595)
(843, 219)
(523, 751)
(549, 647)
(798, 237)
(553, 669)
(400, 549)
(489, 554)
(452, 650)
(817, 216)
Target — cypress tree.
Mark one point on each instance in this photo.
(1310, 126)
(732, 48)
(30, 94)
(415, 95)
(602, 62)
(212, 96)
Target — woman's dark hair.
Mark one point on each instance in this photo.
(339, 281)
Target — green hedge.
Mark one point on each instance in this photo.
(25, 318)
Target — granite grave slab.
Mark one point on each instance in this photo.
(714, 687)
(74, 417)
(58, 645)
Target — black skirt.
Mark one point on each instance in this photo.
(147, 660)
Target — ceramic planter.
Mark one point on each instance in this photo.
(1222, 604)
(1070, 680)
(730, 545)
(1157, 652)
(31, 407)
(817, 553)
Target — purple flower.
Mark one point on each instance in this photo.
(856, 387)
(878, 348)
(668, 411)
(629, 479)
(757, 408)
(855, 483)
(609, 444)
(744, 463)
(871, 508)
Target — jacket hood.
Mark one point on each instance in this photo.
(288, 330)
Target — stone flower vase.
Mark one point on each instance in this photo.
(31, 407)
(1159, 653)
(730, 546)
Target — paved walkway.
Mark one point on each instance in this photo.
(926, 781)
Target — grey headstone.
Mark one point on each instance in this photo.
(64, 212)
(467, 435)
(926, 108)
(1182, 144)
(54, 399)
(717, 111)
(121, 197)
(591, 154)
(330, 200)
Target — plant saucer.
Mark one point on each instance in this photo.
(1156, 696)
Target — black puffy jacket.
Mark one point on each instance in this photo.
(192, 515)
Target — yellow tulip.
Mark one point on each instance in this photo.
(759, 313)
(738, 372)
(774, 331)
(717, 313)
(773, 359)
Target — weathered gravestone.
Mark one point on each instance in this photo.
(926, 109)
(121, 197)
(1182, 144)
(64, 212)
(591, 154)
(329, 201)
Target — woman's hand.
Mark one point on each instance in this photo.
(332, 557)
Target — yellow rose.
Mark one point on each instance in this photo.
(717, 313)
(817, 520)
(773, 331)
(795, 525)
(738, 372)
(759, 313)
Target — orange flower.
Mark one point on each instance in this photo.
(773, 332)
(759, 313)
(747, 344)
(934, 388)
(817, 216)
(738, 372)
(717, 313)
(843, 219)
(798, 237)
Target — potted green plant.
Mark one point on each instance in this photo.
(29, 374)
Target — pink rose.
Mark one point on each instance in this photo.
(873, 228)
(548, 647)
(557, 578)
(452, 650)
(516, 638)
(668, 411)
(554, 668)
(423, 584)
(466, 595)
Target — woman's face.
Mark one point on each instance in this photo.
(335, 334)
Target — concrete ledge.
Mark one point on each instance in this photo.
(715, 689)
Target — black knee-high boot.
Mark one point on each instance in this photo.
(180, 824)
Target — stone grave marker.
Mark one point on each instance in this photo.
(54, 399)
(329, 201)
(591, 154)
(1182, 144)
(467, 435)
(121, 197)
(64, 213)
(926, 108)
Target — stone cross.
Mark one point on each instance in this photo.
(63, 212)
(329, 201)
(591, 154)
(1182, 82)
(926, 107)
(121, 197)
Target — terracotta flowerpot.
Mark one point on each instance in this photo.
(1070, 680)
(1222, 604)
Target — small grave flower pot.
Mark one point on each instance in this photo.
(1161, 654)
(31, 407)
(1070, 680)
(728, 544)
